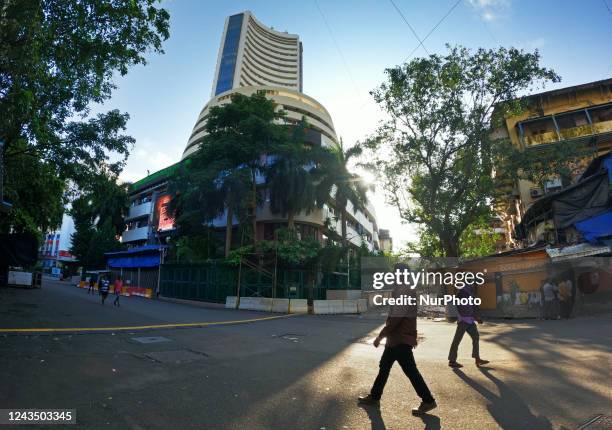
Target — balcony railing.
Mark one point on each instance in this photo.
(554, 131)
(136, 234)
(140, 210)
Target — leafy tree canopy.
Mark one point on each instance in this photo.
(99, 220)
(435, 152)
(221, 176)
(56, 58)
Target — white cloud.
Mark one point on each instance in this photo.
(490, 10)
(146, 158)
(488, 16)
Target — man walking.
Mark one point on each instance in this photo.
(400, 330)
(466, 322)
(92, 282)
(104, 288)
(118, 287)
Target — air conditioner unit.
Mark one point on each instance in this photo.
(536, 192)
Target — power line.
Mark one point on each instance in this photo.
(409, 26)
(348, 71)
(433, 29)
(607, 6)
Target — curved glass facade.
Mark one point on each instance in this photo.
(229, 55)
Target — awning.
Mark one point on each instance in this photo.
(594, 228)
(143, 256)
(576, 251)
(150, 260)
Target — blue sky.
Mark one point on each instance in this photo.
(344, 61)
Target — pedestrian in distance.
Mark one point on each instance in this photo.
(551, 300)
(104, 288)
(92, 283)
(118, 287)
(400, 332)
(566, 299)
(466, 322)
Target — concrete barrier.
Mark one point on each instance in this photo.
(280, 305)
(349, 306)
(247, 303)
(320, 307)
(230, 302)
(336, 306)
(256, 304)
(298, 306)
(362, 305)
(343, 294)
(328, 307)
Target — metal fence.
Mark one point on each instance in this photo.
(143, 277)
(209, 283)
(213, 282)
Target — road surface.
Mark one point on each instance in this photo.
(299, 372)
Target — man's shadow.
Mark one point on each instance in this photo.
(431, 422)
(507, 407)
(375, 417)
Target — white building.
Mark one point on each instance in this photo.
(253, 54)
(55, 249)
(254, 58)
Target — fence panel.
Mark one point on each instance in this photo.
(213, 282)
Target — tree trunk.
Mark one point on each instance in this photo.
(450, 247)
(229, 225)
(290, 220)
(254, 207)
(343, 223)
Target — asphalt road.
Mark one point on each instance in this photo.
(300, 372)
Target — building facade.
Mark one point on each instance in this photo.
(147, 222)
(580, 115)
(254, 58)
(385, 241)
(54, 251)
(253, 54)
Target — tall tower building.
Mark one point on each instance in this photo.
(252, 54)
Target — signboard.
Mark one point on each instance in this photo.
(165, 220)
(66, 255)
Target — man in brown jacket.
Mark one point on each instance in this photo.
(400, 330)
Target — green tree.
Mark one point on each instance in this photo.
(56, 58)
(98, 216)
(435, 153)
(221, 177)
(291, 178)
(336, 181)
(479, 239)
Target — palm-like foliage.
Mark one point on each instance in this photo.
(290, 179)
(337, 180)
(221, 177)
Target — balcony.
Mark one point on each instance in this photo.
(140, 210)
(141, 233)
(566, 126)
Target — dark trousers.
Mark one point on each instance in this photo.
(565, 308)
(472, 330)
(116, 302)
(403, 355)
